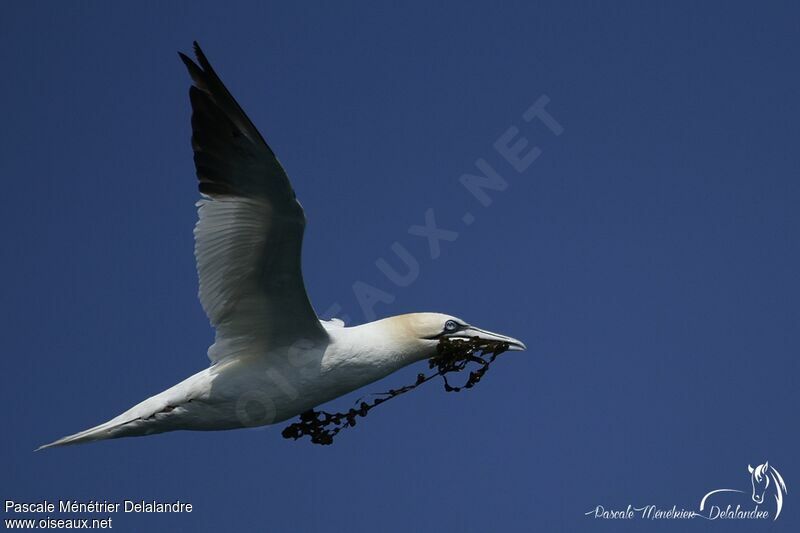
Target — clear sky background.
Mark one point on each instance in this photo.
(649, 257)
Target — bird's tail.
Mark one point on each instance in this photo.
(141, 419)
(106, 430)
(156, 414)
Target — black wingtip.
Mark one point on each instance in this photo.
(189, 62)
(194, 70)
(198, 52)
(202, 59)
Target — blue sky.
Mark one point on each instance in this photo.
(648, 257)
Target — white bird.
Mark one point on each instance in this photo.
(272, 358)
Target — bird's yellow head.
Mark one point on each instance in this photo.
(427, 329)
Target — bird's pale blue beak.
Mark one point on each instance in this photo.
(472, 331)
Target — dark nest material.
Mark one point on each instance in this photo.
(451, 356)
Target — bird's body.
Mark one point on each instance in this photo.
(257, 389)
(272, 358)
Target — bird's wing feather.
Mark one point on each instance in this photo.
(249, 232)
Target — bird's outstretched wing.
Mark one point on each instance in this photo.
(249, 234)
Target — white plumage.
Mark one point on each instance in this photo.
(272, 357)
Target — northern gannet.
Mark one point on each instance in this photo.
(272, 357)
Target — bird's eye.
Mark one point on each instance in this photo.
(450, 325)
